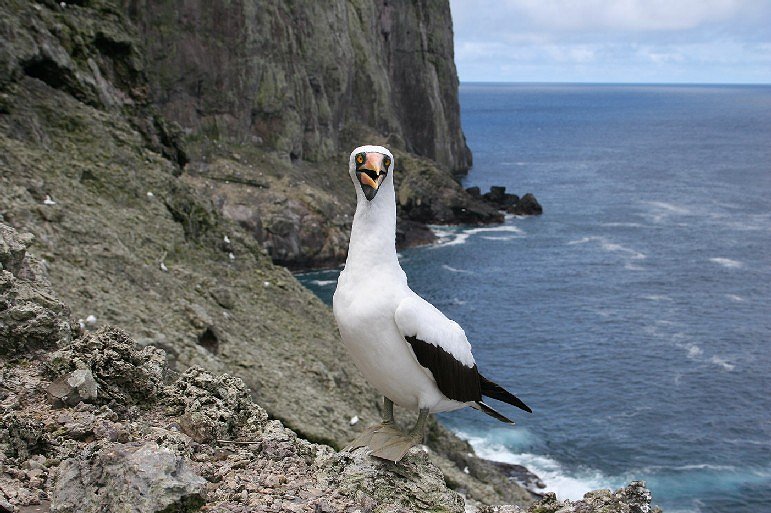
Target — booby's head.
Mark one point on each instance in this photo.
(369, 167)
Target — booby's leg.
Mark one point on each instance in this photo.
(390, 445)
(388, 411)
(388, 425)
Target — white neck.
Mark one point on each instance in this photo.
(373, 235)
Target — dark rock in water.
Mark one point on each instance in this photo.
(475, 192)
(523, 476)
(496, 194)
(527, 206)
(411, 233)
(499, 197)
(127, 477)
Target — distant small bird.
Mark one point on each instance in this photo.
(414, 355)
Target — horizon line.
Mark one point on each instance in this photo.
(575, 82)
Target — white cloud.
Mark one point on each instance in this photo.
(625, 15)
(613, 40)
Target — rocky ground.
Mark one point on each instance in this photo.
(93, 421)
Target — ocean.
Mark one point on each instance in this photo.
(634, 315)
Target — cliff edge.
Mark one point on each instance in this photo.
(92, 422)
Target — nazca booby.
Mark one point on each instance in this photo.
(405, 347)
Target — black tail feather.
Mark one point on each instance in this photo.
(495, 391)
(491, 412)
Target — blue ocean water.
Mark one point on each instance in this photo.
(634, 316)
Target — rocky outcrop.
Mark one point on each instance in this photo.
(497, 197)
(136, 444)
(634, 498)
(30, 317)
(274, 96)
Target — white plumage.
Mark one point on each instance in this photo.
(405, 347)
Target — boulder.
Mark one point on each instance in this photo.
(526, 206)
(500, 198)
(31, 317)
(124, 371)
(126, 478)
(79, 385)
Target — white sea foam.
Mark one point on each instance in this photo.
(694, 351)
(455, 237)
(618, 248)
(488, 237)
(582, 240)
(454, 270)
(722, 363)
(622, 225)
(630, 254)
(727, 262)
(657, 297)
(323, 283)
(567, 485)
(734, 297)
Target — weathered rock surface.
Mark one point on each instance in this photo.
(634, 498)
(497, 197)
(306, 78)
(526, 206)
(31, 317)
(126, 478)
(197, 443)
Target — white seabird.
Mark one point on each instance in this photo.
(405, 347)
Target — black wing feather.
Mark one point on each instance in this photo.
(454, 379)
(486, 408)
(495, 391)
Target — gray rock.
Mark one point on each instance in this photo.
(126, 478)
(6, 507)
(414, 484)
(526, 206)
(79, 385)
(31, 317)
(13, 248)
(213, 407)
(381, 69)
(123, 370)
(634, 498)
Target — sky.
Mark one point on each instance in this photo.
(660, 41)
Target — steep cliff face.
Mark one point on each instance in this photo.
(303, 78)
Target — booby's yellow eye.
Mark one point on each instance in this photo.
(360, 158)
(386, 162)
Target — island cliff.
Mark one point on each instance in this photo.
(170, 230)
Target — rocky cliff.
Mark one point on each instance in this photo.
(304, 78)
(272, 96)
(130, 237)
(93, 422)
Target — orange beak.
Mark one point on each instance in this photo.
(371, 174)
